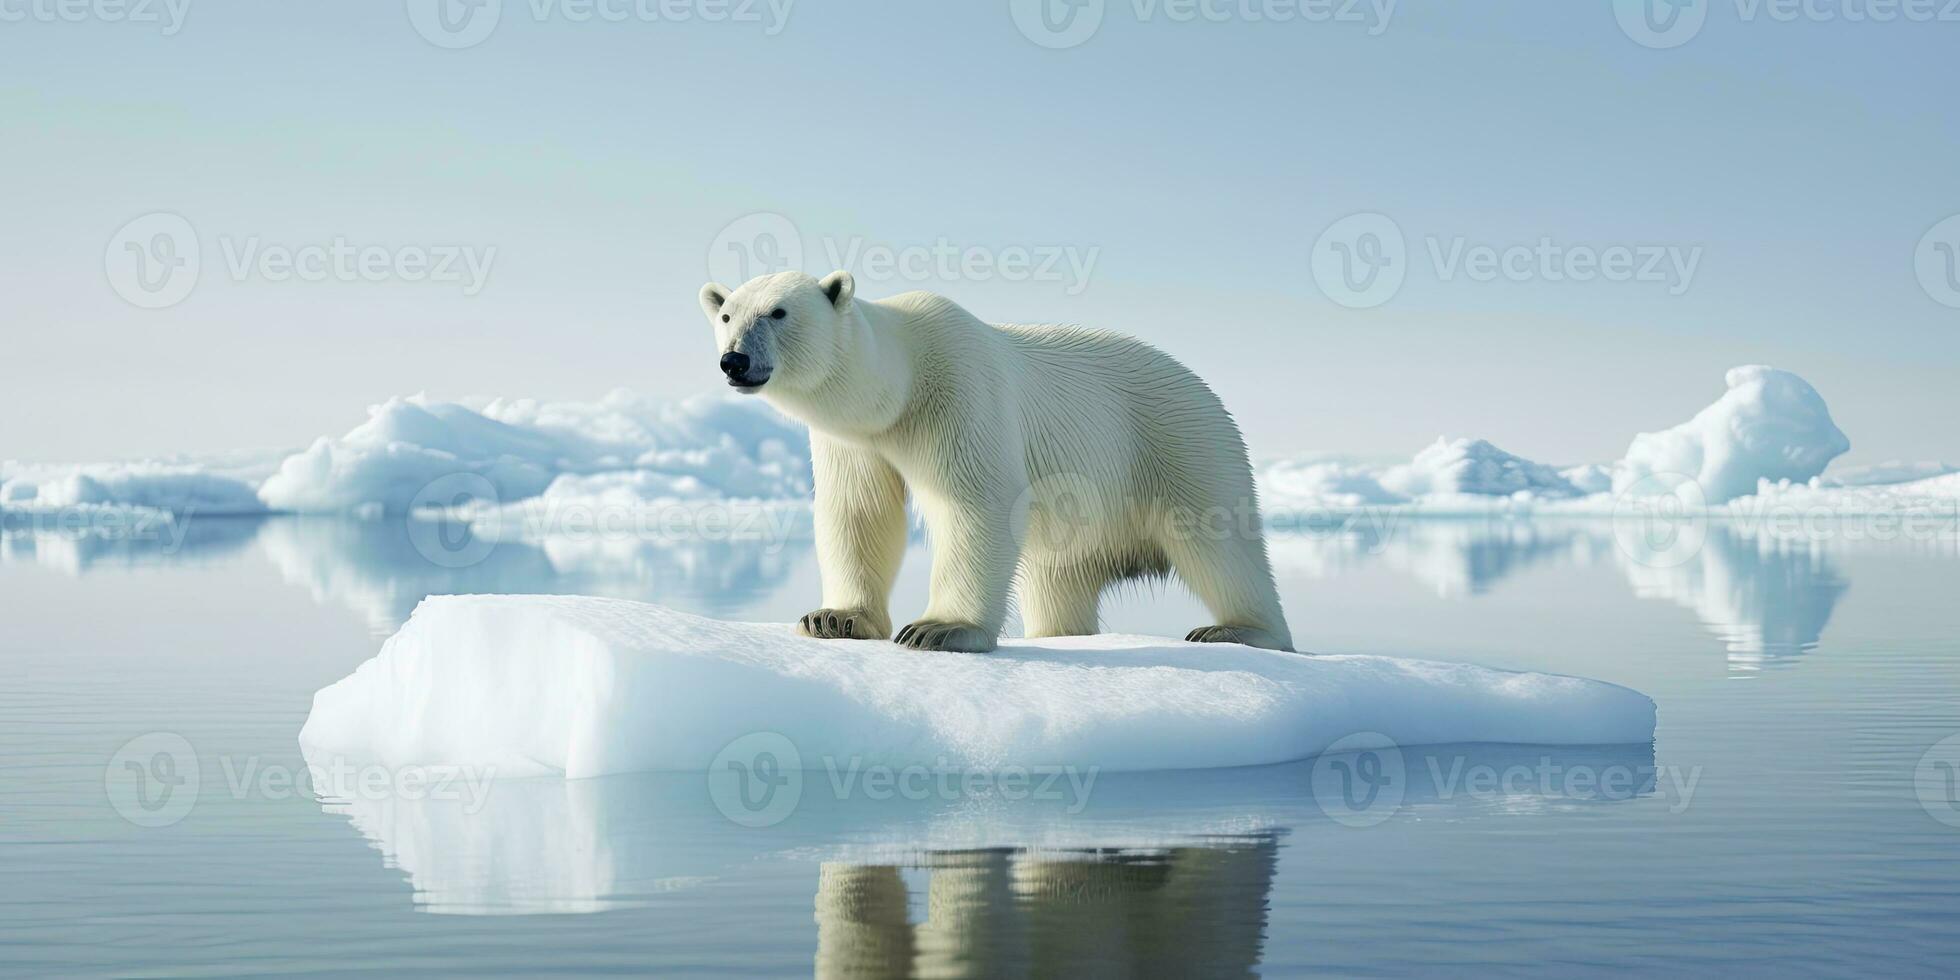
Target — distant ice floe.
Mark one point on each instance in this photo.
(626, 449)
(226, 487)
(1764, 443)
(526, 468)
(412, 454)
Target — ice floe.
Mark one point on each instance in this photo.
(577, 686)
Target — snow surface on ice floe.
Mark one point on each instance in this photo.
(587, 686)
(1769, 426)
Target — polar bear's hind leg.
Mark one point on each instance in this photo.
(1229, 574)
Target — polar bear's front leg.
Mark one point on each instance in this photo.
(974, 549)
(860, 527)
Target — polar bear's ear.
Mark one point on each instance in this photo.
(712, 296)
(838, 287)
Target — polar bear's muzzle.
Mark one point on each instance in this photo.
(743, 373)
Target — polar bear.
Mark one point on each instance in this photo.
(1078, 458)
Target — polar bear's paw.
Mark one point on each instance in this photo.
(940, 634)
(844, 624)
(1237, 634)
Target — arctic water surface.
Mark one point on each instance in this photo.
(1797, 810)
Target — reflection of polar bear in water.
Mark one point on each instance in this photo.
(1188, 911)
(1079, 457)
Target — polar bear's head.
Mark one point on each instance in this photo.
(779, 330)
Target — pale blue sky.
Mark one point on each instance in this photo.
(1201, 161)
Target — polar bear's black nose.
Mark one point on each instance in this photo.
(735, 364)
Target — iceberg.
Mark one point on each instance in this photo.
(530, 468)
(581, 686)
(168, 487)
(1768, 427)
(1456, 467)
(514, 450)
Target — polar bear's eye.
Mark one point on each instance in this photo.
(724, 318)
(777, 313)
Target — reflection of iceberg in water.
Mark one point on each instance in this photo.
(1766, 600)
(1455, 557)
(537, 846)
(1197, 844)
(120, 539)
(375, 567)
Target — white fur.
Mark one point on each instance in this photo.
(1076, 457)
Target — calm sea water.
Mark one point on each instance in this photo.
(1797, 811)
